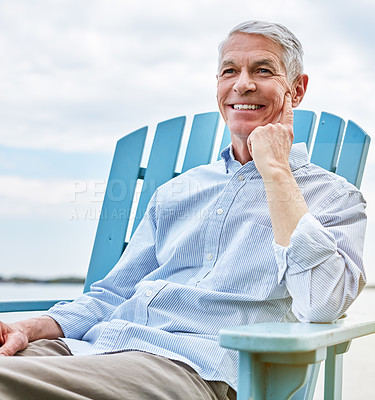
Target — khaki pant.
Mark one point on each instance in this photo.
(47, 370)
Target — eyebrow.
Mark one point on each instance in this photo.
(258, 63)
(226, 63)
(266, 62)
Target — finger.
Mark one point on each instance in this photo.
(13, 344)
(7, 350)
(287, 111)
(249, 146)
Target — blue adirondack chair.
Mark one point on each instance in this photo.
(279, 360)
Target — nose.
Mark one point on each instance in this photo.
(244, 83)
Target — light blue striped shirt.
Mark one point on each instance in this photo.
(204, 258)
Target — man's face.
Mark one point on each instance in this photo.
(251, 83)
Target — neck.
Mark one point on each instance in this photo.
(241, 151)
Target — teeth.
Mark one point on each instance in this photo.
(246, 107)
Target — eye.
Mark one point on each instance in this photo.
(264, 71)
(227, 71)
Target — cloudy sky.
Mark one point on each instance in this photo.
(78, 75)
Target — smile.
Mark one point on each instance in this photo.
(246, 106)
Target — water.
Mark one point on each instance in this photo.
(40, 291)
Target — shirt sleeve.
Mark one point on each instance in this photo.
(322, 267)
(138, 260)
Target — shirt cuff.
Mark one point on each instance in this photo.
(310, 245)
(74, 319)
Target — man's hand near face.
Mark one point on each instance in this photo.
(269, 146)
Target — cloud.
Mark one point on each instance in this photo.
(92, 69)
(76, 76)
(66, 199)
(81, 74)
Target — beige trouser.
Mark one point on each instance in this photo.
(46, 374)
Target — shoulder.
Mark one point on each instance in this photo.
(322, 188)
(321, 176)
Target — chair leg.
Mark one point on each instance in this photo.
(307, 391)
(274, 376)
(333, 371)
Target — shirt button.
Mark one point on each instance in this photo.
(219, 211)
(241, 177)
(148, 293)
(209, 256)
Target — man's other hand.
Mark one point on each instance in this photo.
(12, 339)
(16, 336)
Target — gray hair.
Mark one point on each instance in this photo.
(292, 48)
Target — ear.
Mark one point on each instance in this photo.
(299, 89)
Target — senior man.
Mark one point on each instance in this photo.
(262, 235)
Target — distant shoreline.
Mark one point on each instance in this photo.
(24, 279)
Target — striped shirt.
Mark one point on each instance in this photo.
(204, 258)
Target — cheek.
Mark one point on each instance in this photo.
(279, 100)
(276, 101)
(221, 95)
(220, 101)
(278, 96)
(221, 91)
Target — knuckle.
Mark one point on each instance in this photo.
(6, 352)
(289, 111)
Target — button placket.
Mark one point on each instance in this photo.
(144, 299)
(215, 225)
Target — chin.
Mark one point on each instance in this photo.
(242, 130)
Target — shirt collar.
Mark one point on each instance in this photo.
(298, 157)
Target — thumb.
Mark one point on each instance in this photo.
(249, 146)
(13, 344)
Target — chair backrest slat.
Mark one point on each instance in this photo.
(303, 127)
(226, 139)
(201, 140)
(328, 141)
(353, 154)
(162, 161)
(114, 217)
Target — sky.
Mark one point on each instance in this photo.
(75, 76)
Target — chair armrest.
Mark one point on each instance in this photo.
(295, 337)
(27, 305)
(281, 360)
